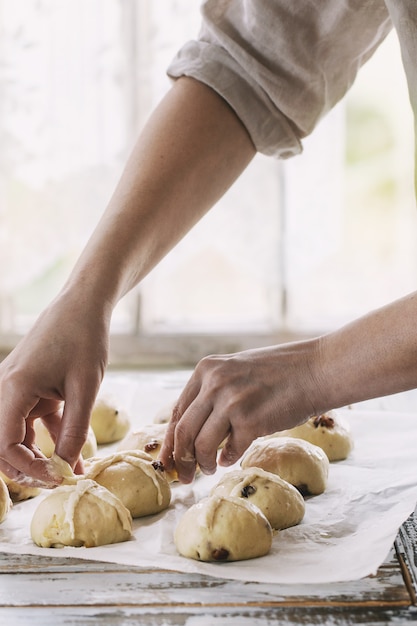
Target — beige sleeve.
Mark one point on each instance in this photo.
(282, 65)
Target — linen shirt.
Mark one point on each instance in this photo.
(283, 64)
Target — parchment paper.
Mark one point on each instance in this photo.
(346, 533)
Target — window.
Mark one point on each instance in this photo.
(293, 249)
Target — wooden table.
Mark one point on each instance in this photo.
(43, 591)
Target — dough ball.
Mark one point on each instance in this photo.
(109, 422)
(18, 491)
(299, 462)
(164, 414)
(135, 478)
(149, 438)
(328, 431)
(81, 514)
(223, 529)
(5, 502)
(46, 445)
(281, 503)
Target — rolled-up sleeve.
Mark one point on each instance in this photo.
(282, 65)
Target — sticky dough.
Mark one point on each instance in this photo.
(135, 478)
(299, 462)
(281, 503)
(149, 438)
(223, 529)
(328, 431)
(81, 514)
(109, 422)
(5, 501)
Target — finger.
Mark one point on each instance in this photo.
(212, 433)
(75, 422)
(236, 444)
(166, 453)
(23, 479)
(188, 395)
(52, 423)
(186, 433)
(17, 435)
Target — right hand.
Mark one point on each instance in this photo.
(236, 398)
(58, 365)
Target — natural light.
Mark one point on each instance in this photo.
(295, 247)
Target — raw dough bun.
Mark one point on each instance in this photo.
(223, 529)
(164, 414)
(299, 462)
(5, 502)
(108, 421)
(328, 431)
(135, 478)
(149, 438)
(46, 445)
(18, 491)
(281, 503)
(81, 514)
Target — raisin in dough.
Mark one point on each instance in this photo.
(223, 529)
(299, 462)
(5, 502)
(281, 503)
(149, 438)
(328, 431)
(80, 514)
(109, 422)
(135, 478)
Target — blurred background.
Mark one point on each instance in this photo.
(295, 248)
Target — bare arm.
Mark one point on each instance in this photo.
(190, 152)
(249, 394)
(376, 355)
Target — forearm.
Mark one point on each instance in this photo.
(190, 152)
(376, 355)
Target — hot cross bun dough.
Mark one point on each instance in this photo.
(281, 503)
(5, 501)
(109, 421)
(80, 514)
(328, 431)
(149, 438)
(164, 414)
(46, 445)
(18, 491)
(223, 529)
(135, 478)
(299, 462)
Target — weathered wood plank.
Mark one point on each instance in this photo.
(281, 616)
(35, 581)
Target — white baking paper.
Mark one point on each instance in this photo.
(346, 534)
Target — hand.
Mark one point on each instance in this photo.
(239, 397)
(54, 374)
